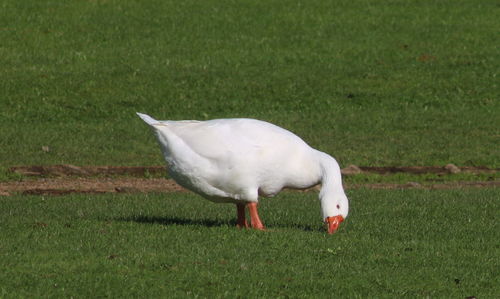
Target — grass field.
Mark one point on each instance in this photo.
(394, 244)
(373, 83)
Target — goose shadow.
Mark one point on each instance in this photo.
(168, 221)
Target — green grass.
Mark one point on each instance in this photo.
(408, 243)
(372, 83)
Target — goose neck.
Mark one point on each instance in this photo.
(331, 179)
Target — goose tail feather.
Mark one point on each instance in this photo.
(148, 119)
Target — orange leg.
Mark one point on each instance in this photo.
(241, 222)
(254, 216)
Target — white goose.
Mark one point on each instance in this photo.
(236, 160)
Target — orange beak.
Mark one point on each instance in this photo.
(333, 223)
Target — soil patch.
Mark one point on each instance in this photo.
(66, 179)
(442, 170)
(63, 186)
(87, 171)
(144, 171)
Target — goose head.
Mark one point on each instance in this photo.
(334, 203)
(334, 208)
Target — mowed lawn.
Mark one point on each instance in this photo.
(411, 243)
(371, 82)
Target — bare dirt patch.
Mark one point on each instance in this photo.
(63, 186)
(66, 179)
(142, 171)
(449, 185)
(87, 171)
(443, 170)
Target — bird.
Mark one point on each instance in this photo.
(237, 160)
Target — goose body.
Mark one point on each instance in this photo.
(236, 160)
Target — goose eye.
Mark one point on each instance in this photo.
(338, 206)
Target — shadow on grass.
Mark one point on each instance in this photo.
(176, 221)
(210, 223)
